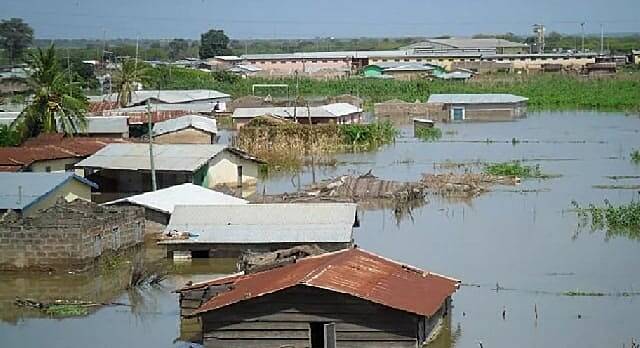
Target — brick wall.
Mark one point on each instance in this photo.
(67, 235)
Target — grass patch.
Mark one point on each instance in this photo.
(428, 134)
(369, 135)
(622, 220)
(66, 310)
(582, 293)
(635, 156)
(515, 168)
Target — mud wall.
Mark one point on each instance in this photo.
(68, 236)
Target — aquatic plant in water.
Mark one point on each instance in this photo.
(66, 310)
(635, 156)
(622, 220)
(428, 134)
(514, 168)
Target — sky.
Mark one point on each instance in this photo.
(155, 19)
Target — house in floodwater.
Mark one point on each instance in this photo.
(230, 230)
(476, 107)
(159, 205)
(348, 298)
(339, 113)
(189, 129)
(28, 193)
(124, 169)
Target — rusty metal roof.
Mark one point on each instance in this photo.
(50, 147)
(355, 272)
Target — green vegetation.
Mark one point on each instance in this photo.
(514, 168)
(635, 156)
(368, 135)
(9, 136)
(15, 37)
(66, 310)
(622, 220)
(428, 134)
(544, 91)
(582, 293)
(130, 73)
(214, 43)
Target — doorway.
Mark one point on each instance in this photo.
(322, 335)
(457, 113)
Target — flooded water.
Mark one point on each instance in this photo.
(525, 242)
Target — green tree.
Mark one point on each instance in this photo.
(130, 72)
(9, 136)
(57, 103)
(214, 43)
(178, 48)
(15, 37)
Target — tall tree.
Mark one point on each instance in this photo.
(178, 48)
(130, 73)
(214, 43)
(58, 102)
(15, 37)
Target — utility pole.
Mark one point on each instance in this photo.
(582, 31)
(69, 71)
(154, 185)
(295, 103)
(601, 39)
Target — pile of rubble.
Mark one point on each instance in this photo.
(466, 184)
(256, 262)
(368, 186)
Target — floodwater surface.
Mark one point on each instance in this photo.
(522, 240)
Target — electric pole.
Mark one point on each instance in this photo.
(601, 39)
(582, 31)
(154, 186)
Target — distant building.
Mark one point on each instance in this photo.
(189, 129)
(635, 56)
(476, 107)
(485, 45)
(348, 298)
(339, 113)
(159, 205)
(50, 153)
(124, 169)
(229, 230)
(28, 193)
(600, 69)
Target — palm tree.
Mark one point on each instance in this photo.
(129, 74)
(57, 104)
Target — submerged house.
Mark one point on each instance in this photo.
(123, 169)
(476, 107)
(230, 230)
(348, 298)
(159, 205)
(339, 113)
(28, 193)
(189, 129)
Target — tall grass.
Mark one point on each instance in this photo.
(544, 91)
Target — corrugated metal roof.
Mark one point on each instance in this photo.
(406, 67)
(198, 122)
(330, 110)
(6, 118)
(353, 272)
(104, 125)
(195, 107)
(469, 43)
(166, 97)
(167, 157)
(18, 191)
(165, 200)
(475, 98)
(265, 223)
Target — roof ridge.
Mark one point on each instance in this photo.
(315, 273)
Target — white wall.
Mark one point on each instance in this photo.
(223, 169)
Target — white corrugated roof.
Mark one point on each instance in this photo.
(166, 199)
(168, 157)
(330, 110)
(265, 223)
(104, 125)
(469, 43)
(475, 98)
(198, 122)
(7, 118)
(166, 97)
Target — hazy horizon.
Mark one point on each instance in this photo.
(287, 19)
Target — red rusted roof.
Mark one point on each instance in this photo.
(50, 147)
(156, 116)
(354, 272)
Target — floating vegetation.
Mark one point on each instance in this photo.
(515, 169)
(582, 293)
(617, 187)
(622, 220)
(369, 135)
(63, 308)
(622, 177)
(635, 156)
(66, 310)
(428, 134)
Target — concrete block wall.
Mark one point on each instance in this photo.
(68, 236)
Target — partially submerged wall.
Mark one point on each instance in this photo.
(399, 109)
(67, 236)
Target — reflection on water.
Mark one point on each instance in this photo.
(521, 240)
